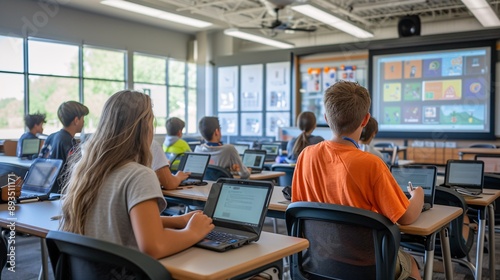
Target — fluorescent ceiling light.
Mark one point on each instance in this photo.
(318, 14)
(263, 40)
(483, 12)
(140, 9)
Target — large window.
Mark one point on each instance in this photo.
(11, 87)
(56, 72)
(103, 75)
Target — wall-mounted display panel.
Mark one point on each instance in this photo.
(251, 124)
(228, 89)
(251, 87)
(278, 86)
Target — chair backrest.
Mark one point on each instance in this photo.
(10, 148)
(285, 180)
(76, 256)
(483, 145)
(215, 172)
(390, 155)
(344, 242)
(458, 246)
(19, 170)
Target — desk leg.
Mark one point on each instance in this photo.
(491, 240)
(445, 251)
(44, 270)
(480, 243)
(429, 256)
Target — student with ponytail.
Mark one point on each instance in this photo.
(306, 121)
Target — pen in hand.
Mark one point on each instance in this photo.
(410, 186)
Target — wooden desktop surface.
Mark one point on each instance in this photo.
(197, 263)
(486, 198)
(265, 175)
(193, 263)
(432, 220)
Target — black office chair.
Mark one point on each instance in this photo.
(483, 145)
(215, 172)
(285, 180)
(338, 236)
(76, 257)
(459, 248)
(19, 170)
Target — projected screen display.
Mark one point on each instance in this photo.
(426, 92)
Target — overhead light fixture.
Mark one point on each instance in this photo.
(259, 39)
(483, 12)
(325, 17)
(386, 4)
(152, 12)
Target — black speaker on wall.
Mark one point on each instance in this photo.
(409, 26)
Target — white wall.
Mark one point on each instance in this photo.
(31, 18)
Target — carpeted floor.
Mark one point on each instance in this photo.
(28, 259)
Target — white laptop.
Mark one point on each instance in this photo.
(238, 209)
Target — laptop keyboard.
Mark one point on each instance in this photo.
(192, 183)
(224, 237)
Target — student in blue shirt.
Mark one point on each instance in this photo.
(34, 123)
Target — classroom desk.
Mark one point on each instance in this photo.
(193, 263)
(474, 151)
(16, 160)
(484, 203)
(431, 222)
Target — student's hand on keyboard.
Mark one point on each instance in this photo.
(199, 225)
(181, 175)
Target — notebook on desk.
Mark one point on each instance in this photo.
(272, 151)
(419, 175)
(238, 209)
(255, 160)
(39, 180)
(465, 176)
(196, 163)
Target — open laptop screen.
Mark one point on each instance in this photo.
(196, 163)
(242, 204)
(464, 174)
(419, 175)
(241, 148)
(42, 175)
(491, 163)
(271, 149)
(30, 147)
(254, 159)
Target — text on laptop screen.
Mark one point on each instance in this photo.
(491, 163)
(423, 177)
(271, 149)
(254, 160)
(40, 177)
(195, 163)
(240, 203)
(464, 174)
(30, 146)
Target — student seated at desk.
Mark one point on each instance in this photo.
(367, 134)
(336, 171)
(306, 122)
(34, 123)
(173, 141)
(161, 166)
(225, 156)
(112, 193)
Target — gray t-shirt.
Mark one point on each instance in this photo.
(124, 188)
(159, 158)
(224, 156)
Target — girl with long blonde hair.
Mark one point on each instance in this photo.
(113, 195)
